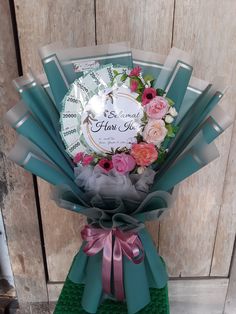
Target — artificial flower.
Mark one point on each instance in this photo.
(87, 159)
(133, 85)
(78, 157)
(169, 119)
(172, 111)
(123, 163)
(157, 108)
(140, 170)
(105, 164)
(144, 154)
(155, 132)
(135, 71)
(148, 94)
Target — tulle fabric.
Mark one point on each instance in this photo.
(96, 181)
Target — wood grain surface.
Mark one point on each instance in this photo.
(230, 302)
(39, 23)
(42, 22)
(146, 24)
(17, 198)
(187, 236)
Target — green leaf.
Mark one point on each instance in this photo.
(170, 101)
(139, 98)
(161, 155)
(115, 72)
(139, 138)
(144, 118)
(171, 130)
(149, 77)
(160, 92)
(123, 77)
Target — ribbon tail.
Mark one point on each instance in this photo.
(107, 264)
(118, 270)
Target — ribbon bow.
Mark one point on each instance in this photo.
(126, 243)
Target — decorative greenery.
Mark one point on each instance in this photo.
(172, 130)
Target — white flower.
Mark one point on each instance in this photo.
(141, 170)
(169, 119)
(172, 111)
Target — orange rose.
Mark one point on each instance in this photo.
(144, 154)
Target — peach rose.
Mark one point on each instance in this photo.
(144, 154)
(157, 108)
(154, 132)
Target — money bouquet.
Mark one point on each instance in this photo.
(114, 130)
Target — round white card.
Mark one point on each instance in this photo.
(112, 120)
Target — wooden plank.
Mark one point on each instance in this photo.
(146, 24)
(186, 296)
(187, 236)
(39, 23)
(230, 303)
(227, 219)
(137, 22)
(54, 290)
(42, 22)
(17, 200)
(197, 296)
(35, 308)
(61, 234)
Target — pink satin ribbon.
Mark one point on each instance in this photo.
(126, 243)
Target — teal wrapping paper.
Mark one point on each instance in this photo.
(70, 64)
(151, 273)
(58, 83)
(178, 83)
(190, 125)
(27, 126)
(198, 153)
(39, 103)
(32, 159)
(55, 75)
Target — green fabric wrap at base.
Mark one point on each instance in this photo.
(70, 302)
(137, 278)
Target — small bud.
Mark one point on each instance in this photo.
(141, 170)
(172, 111)
(169, 119)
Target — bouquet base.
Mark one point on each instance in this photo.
(70, 302)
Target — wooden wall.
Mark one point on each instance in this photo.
(17, 198)
(197, 237)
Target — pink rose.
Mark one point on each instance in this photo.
(148, 94)
(155, 132)
(135, 72)
(157, 108)
(87, 159)
(144, 154)
(123, 163)
(133, 85)
(78, 157)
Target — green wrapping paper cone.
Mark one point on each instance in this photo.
(145, 285)
(137, 278)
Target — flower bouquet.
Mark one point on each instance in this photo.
(114, 129)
